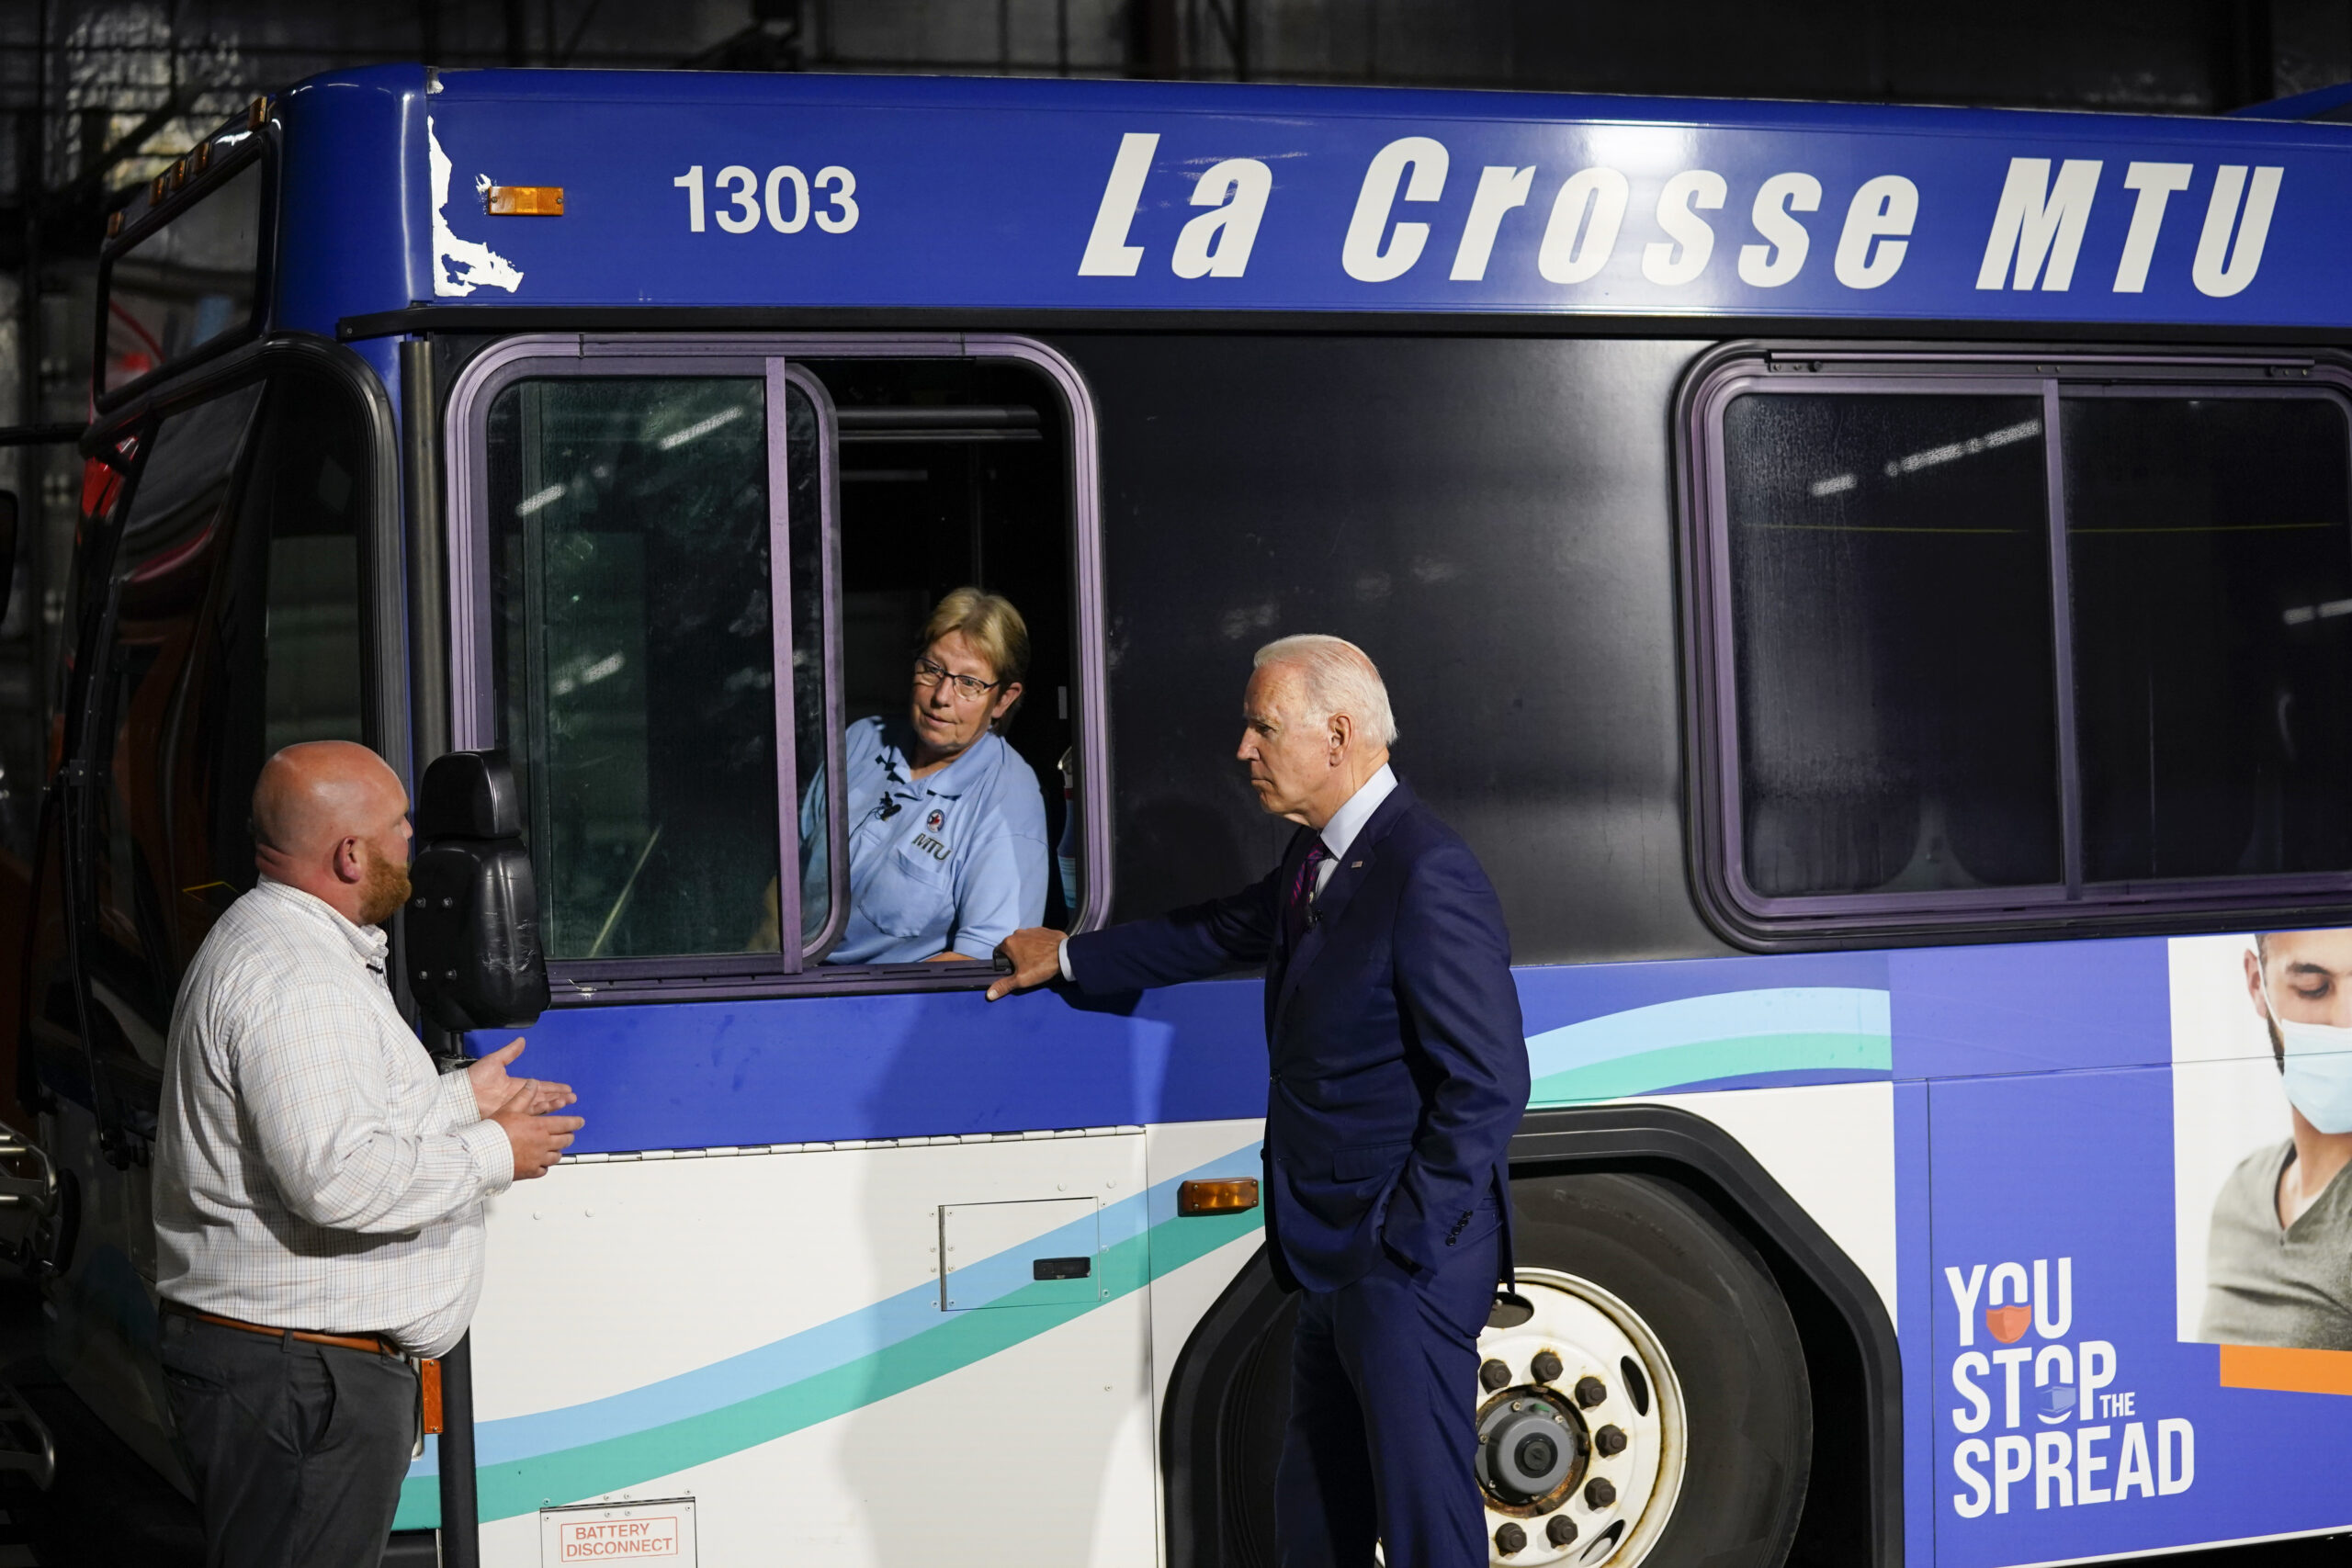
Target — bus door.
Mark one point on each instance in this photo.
(221, 618)
(828, 1274)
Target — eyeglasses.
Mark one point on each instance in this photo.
(968, 688)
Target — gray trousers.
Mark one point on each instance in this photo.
(298, 1450)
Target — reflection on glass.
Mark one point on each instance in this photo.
(1890, 610)
(188, 284)
(2210, 558)
(637, 658)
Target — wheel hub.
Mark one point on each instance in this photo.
(1531, 1448)
(1580, 1430)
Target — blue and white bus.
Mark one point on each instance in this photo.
(1874, 586)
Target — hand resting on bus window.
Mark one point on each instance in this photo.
(946, 824)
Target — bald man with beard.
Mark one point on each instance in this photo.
(319, 1188)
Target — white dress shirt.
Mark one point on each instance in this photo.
(1349, 821)
(1338, 834)
(312, 1168)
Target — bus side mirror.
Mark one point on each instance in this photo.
(8, 546)
(472, 930)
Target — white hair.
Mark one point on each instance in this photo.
(1340, 677)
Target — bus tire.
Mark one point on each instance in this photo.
(1714, 1337)
(1716, 1341)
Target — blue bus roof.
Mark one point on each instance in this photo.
(761, 190)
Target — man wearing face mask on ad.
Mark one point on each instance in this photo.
(2278, 1264)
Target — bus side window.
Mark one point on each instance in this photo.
(953, 474)
(2210, 540)
(165, 566)
(1936, 704)
(629, 522)
(1890, 630)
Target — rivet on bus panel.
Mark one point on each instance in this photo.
(526, 201)
(1225, 1195)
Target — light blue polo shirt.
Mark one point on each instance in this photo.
(959, 864)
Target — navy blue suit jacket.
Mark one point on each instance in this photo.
(1398, 1063)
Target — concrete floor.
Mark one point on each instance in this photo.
(108, 1510)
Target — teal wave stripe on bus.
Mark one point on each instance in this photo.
(1732, 1039)
(1790, 1033)
(525, 1462)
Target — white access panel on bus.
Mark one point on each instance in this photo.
(1012, 1426)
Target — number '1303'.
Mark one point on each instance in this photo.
(786, 198)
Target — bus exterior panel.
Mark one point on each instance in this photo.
(856, 1268)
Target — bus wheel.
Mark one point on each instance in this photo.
(1654, 1360)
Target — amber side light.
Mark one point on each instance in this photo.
(203, 156)
(1227, 1195)
(113, 222)
(257, 114)
(526, 201)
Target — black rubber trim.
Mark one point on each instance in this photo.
(1201, 1525)
(1660, 1140)
(1040, 321)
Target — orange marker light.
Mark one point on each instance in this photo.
(526, 201)
(1227, 1195)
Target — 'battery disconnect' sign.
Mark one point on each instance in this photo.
(660, 1531)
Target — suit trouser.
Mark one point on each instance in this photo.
(298, 1450)
(1383, 1439)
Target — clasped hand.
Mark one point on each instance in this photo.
(521, 1106)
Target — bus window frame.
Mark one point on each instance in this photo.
(260, 146)
(473, 717)
(1718, 875)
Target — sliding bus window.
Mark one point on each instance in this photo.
(1889, 566)
(2211, 600)
(632, 534)
(671, 552)
(955, 475)
(1980, 647)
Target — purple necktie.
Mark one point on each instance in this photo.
(1301, 895)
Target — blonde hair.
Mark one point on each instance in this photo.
(993, 627)
(1340, 677)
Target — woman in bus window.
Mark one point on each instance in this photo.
(947, 823)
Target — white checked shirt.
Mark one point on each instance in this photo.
(312, 1168)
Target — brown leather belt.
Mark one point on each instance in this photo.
(373, 1344)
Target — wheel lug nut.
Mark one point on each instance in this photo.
(1492, 1375)
(1590, 1391)
(1609, 1440)
(1561, 1530)
(1600, 1492)
(1546, 1366)
(1508, 1539)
